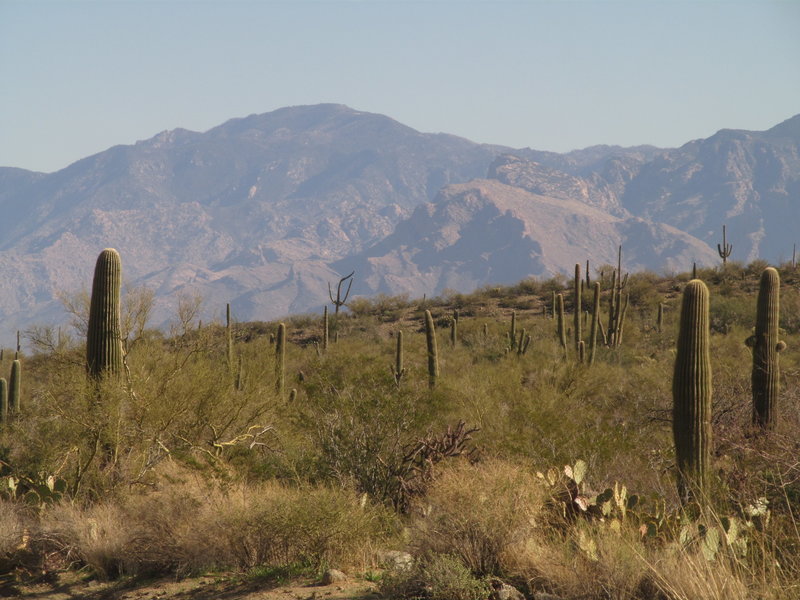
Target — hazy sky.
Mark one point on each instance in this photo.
(77, 77)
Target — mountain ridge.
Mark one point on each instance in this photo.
(262, 211)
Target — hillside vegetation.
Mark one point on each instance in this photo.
(515, 465)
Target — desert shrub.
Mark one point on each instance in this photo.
(435, 577)
(642, 289)
(12, 531)
(477, 513)
(364, 429)
(727, 312)
(189, 524)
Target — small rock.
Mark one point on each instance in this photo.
(333, 576)
(396, 560)
(503, 591)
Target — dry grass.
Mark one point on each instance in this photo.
(192, 525)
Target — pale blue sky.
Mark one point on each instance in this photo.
(77, 77)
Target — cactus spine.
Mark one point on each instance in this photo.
(14, 385)
(433, 354)
(280, 358)
(766, 348)
(399, 370)
(595, 322)
(103, 340)
(577, 316)
(691, 393)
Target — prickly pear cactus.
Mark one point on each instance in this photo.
(766, 349)
(691, 393)
(103, 340)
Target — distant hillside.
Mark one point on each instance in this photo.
(265, 210)
(747, 180)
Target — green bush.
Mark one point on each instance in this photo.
(437, 577)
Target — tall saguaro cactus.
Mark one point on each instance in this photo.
(228, 337)
(724, 250)
(561, 327)
(691, 393)
(398, 370)
(325, 328)
(595, 322)
(280, 358)
(766, 346)
(576, 320)
(103, 339)
(433, 353)
(512, 332)
(14, 387)
(3, 400)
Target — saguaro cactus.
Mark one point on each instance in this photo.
(512, 333)
(280, 358)
(691, 393)
(561, 327)
(595, 322)
(325, 328)
(3, 400)
(433, 353)
(228, 337)
(103, 340)
(14, 387)
(454, 329)
(398, 370)
(576, 321)
(724, 249)
(766, 346)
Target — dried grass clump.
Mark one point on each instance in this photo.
(191, 525)
(478, 512)
(12, 529)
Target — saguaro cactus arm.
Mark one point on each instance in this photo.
(339, 300)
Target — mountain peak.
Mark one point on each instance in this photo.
(790, 128)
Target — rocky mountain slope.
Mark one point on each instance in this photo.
(264, 211)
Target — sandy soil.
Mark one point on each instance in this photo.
(202, 588)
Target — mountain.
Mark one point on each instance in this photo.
(747, 180)
(250, 212)
(264, 211)
(487, 231)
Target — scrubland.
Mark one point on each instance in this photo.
(528, 469)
